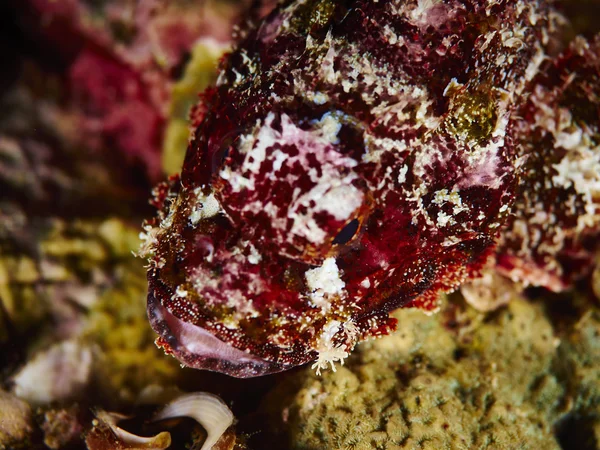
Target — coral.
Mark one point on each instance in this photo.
(461, 380)
(20, 302)
(200, 72)
(579, 358)
(67, 268)
(596, 278)
(48, 168)
(128, 361)
(121, 59)
(61, 427)
(354, 157)
(85, 286)
(73, 325)
(16, 422)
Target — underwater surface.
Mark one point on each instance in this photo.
(310, 224)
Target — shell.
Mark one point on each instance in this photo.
(106, 435)
(355, 157)
(207, 409)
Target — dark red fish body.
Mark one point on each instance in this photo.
(355, 157)
(554, 231)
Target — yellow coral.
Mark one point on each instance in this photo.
(200, 72)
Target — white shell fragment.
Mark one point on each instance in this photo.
(207, 409)
(107, 435)
(59, 373)
(159, 442)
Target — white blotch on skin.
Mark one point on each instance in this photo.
(323, 282)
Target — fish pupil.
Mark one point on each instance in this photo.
(347, 232)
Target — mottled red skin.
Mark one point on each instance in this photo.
(413, 241)
(556, 252)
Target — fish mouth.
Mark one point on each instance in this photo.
(195, 347)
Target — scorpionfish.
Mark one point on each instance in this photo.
(354, 157)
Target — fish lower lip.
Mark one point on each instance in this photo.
(196, 347)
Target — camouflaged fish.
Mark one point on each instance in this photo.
(355, 157)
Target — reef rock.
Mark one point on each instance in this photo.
(516, 378)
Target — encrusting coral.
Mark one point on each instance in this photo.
(73, 330)
(61, 427)
(460, 380)
(16, 422)
(93, 265)
(122, 58)
(116, 323)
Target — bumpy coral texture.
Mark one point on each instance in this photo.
(355, 157)
(462, 380)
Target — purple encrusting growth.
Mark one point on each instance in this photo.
(355, 157)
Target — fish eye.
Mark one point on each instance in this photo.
(221, 155)
(226, 145)
(347, 233)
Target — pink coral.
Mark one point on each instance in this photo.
(122, 58)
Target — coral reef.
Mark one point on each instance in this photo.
(67, 268)
(94, 105)
(62, 427)
(117, 324)
(80, 140)
(459, 380)
(121, 59)
(95, 289)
